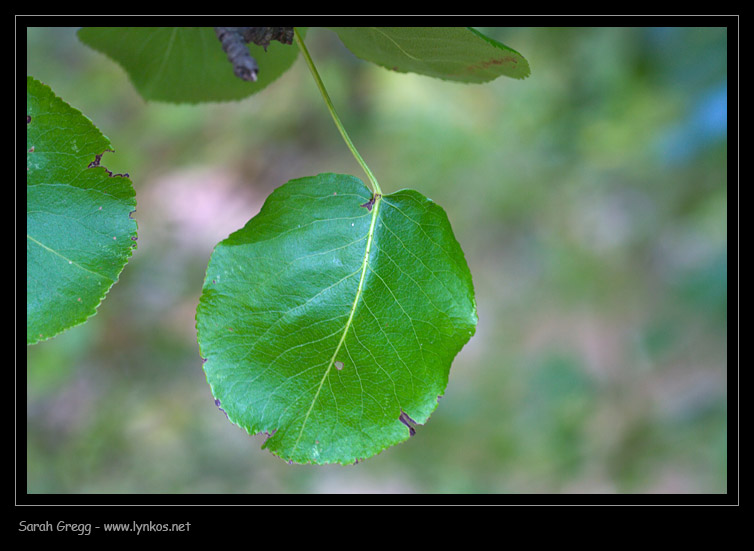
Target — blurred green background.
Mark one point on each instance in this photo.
(591, 202)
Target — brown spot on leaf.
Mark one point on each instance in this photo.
(506, 60)
(368, 205)
(406, 420)
(217, 403)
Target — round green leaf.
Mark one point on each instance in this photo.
(79, 230)
(451, 53)
(331, 319)
(185, 64)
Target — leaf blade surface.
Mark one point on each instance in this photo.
(323, 321)
(460, 54)
(185, 64)
(79, 230)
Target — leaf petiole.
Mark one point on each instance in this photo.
(375, 186)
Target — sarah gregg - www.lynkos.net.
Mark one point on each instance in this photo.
(86, 528)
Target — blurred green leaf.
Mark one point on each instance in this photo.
(185, 64)
(79, 230)
(330, 320)
(451, 53)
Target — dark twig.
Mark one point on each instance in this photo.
(234, 40)
(262, 36)
(244, 66)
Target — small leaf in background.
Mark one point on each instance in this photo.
(79, 230)
(185, 64)
(330, 320)
(451, 53)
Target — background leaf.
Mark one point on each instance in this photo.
(451, 53)
(79, 230)
(185, 64)
(334, 352)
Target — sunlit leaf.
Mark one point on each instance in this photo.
(331, 319)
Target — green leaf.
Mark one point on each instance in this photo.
(185, 64)
(451, 53)
(79, 230)
(330, 320)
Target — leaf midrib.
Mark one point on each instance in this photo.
(70, 261)
(403, 51)
(359, 291)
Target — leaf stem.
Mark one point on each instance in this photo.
(375, 186)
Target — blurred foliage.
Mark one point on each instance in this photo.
(591, 202)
